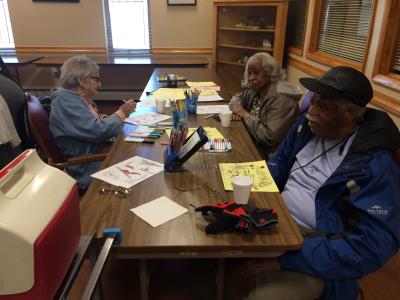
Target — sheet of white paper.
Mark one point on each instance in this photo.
(159, 211)
(211, 109)
(147, 119)
(129, 172)
(209, 98)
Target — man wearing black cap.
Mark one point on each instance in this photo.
(338, 178)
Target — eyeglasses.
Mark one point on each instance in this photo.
(116, 190)
(324, 104)
(95, 78)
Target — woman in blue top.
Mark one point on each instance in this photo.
(77, 127)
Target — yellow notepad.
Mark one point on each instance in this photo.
(258, 170)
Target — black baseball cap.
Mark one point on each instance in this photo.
(342, 82)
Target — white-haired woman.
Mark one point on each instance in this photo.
(268, 105)
(75, 123)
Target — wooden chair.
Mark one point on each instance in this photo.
(48, 150)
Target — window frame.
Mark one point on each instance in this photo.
(326, 59)
(300, 50)
(9, 30)
(388, 38)
(109, 37)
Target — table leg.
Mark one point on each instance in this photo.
(143, 274)
(220, 278)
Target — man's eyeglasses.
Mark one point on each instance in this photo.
(324, 104)
(95, 78)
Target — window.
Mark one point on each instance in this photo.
(127, 23)
(340, 32)
(387, 64)
(6, 36)
(396, 61)
(297, 15)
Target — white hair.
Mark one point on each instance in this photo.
(77, 68)
(270, 65)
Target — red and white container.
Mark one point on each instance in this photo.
(39, 228)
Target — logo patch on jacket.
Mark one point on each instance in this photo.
(377, 210)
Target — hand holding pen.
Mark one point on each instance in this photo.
(127, 108)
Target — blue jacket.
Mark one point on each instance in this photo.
(78, 132)
(357, 208)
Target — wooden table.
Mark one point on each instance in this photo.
(184, 237)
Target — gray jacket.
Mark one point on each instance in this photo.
(276, 114)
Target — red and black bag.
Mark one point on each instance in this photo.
(240, 217)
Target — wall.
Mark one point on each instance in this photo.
(181, 26)
(57, 24)
(81, 24)
(310, 67)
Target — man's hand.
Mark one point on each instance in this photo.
(239, 112)
(254, 266)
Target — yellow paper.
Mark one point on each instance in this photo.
(204, 83)
(167, 93)
(212, 132)
(258, 170)
(208, 93)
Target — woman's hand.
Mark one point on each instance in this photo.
(239, 112)
(127, 108)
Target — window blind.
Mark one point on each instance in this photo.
(296, 22)
(396, 63)
(344, 28)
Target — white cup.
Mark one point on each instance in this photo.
(241, 188)
(226, 118)
(160, 105)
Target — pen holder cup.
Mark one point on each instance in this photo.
(179, 117)
(191, 104)
(171, 161)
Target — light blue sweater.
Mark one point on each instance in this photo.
(78, 132)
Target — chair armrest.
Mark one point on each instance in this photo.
(86, 159)
(78, 160)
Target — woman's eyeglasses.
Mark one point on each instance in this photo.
(95, 78)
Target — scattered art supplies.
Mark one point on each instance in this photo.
(159, 211)
(179, 111)
(147, 132)
(208, 90)
(147, 119)
(258, 170)
(129, 172)
(191, 101)
(164, 78)
(217, 145)
(212, 132)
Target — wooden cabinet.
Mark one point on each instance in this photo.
(242, 28)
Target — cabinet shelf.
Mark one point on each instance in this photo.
(246, 29)
(245, 47)
(262, 22)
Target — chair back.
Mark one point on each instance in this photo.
(14, 96)
(39, 125)
(396, 156)
(305, 102)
